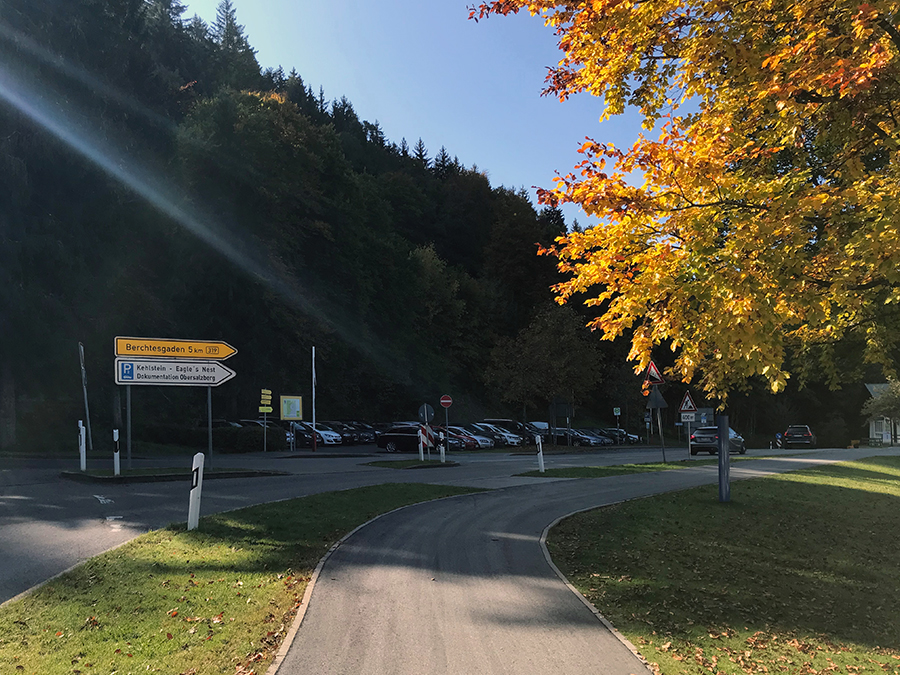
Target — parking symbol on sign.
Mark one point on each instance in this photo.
(127, 371)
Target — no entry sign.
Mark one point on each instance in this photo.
(446, 401)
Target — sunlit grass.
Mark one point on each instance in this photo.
(215, 600)
(798, 574)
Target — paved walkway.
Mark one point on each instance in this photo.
(462, 585)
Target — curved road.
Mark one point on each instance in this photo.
(462, 586)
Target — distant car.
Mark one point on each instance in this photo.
(466, 439)
(706, 439)
(349, 435)
(270, 425)
(501, 437)
(367, 433)
(484, 442)
(323, 435)
(621, 436)
(402, 438)
(799, 435)
(604, 438)
(523, 429)
(224, 424)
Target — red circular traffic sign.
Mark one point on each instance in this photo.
(446, 401)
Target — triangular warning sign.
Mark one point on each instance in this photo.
(687, 403)
(653, 375)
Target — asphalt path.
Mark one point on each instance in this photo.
(462, 585)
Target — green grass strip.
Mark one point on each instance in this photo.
(797, 574)
(218, 599)
(623, 469)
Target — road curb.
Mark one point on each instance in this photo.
(587, 603)
(79, 477)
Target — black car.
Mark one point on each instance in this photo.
(706, 439)
(349, 435)
(799, 436)
(365, 432)
(403, 438)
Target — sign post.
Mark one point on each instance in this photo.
(446, 402)
(196, 488)
(616, 413)
(171, 362)
(265, 407)
(87, 412)
(657, 402)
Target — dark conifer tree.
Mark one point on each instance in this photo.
(420, 152)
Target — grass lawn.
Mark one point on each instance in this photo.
(409, 463)
(799, 573)
(622, 469)
(216, 600)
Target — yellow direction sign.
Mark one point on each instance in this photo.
(173, 348)
(265, 408)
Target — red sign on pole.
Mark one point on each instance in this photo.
(446, 401)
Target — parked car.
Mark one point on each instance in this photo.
(325, 436)
(366, 432)
(303, 436)
(223, 424)
(466, 439)
(349, 436)
(604, 438)
(523, 429)
(270, 425)
(502, 437)
(799, 435)
(707, 439)
(621, 436)
(483, 441)
(402, 438)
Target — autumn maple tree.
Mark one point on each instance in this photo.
(758, 215)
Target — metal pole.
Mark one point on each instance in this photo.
(662, 440)
(313, 399)
(724, 460)
(128, 421)
(87, 412)
(209, 418)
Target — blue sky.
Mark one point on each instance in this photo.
(421, 68)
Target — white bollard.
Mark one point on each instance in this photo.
(82, 451)
(196, 488)
(421, 444)
(116, 464)
(443, 449)
(537, 439)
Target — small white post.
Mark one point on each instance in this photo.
(196, 488)
(540, 446)
(116, 463)
(81, 445)
(443, 452)
(421, 444)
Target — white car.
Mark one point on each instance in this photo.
(328, 436)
